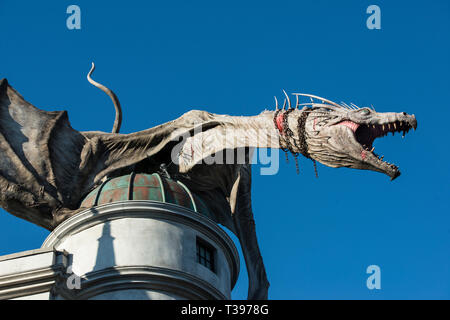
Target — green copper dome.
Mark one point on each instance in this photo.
(141, 186)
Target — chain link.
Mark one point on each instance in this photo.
(287, 140)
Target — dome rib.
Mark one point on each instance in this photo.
(131, 186)
(161, 186)
(189, 193)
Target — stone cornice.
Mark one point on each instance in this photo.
(34, 281)
(139, 277)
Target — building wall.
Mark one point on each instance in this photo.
(131, 250)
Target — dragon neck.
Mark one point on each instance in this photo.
(256, 131)
(227, 133)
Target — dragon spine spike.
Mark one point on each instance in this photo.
(346, 105)
(296, 101)
(284, 104)
(320, 98)
(276, 103)
(287, 97)
(355, 106)
(112, 95)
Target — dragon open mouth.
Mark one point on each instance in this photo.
(365, 134)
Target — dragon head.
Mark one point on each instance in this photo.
(340, 135)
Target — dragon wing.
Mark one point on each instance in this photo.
(47, 167)
(39, 152)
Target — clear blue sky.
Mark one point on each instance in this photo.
(317, 236)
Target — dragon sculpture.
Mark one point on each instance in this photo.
(47, 167)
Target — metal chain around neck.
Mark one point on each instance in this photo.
(286, 138)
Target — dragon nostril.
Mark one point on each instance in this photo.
(404, 113)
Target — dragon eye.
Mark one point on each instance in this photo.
(364, 112)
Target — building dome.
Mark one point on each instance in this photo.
(141, 186)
